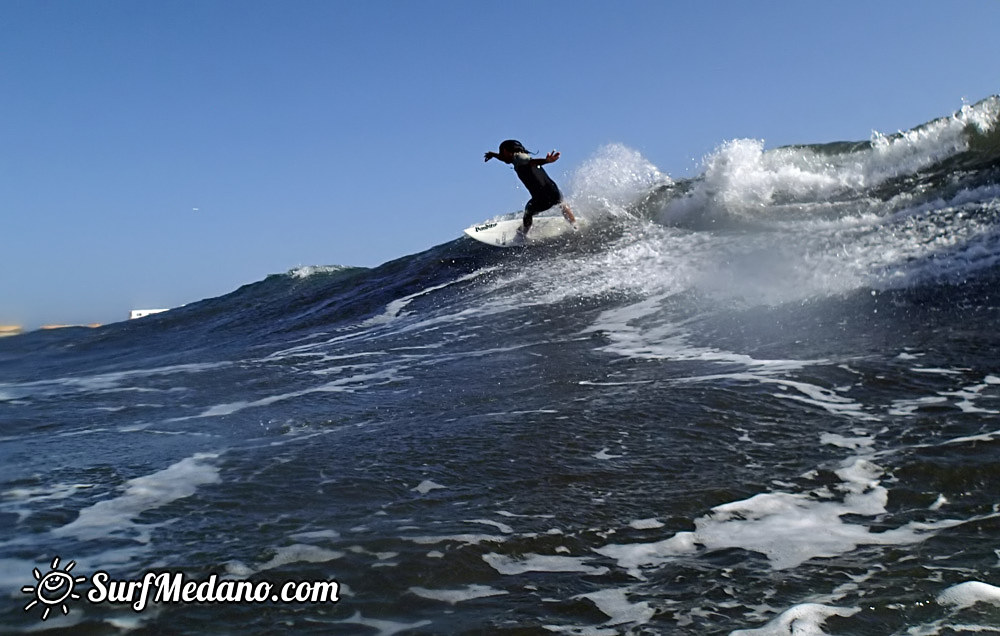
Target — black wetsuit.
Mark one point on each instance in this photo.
(544, 191)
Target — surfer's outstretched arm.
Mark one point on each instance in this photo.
(549, 158)
(537, 161)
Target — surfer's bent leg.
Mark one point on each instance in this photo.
(530, 210)
(541, 204)
(567, 213)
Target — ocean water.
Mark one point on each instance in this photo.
(760, 401)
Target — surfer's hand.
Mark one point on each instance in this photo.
(552, 156)
(489, 155)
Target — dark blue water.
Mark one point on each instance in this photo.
(762, 401)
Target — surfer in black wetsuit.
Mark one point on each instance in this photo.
(544, 191)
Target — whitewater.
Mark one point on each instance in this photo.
(760, 401)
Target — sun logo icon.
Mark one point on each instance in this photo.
(53, 588)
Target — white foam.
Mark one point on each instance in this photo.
(909, 407)
(928, 144)
(381, 626)
(946, 242)
(822, 238)
(347, 384)
(381, 556)
(100, 383)
(502, 527)
(628, 383)
(511, 515)
(603, 454)
(967, 594)
(426, 486)
(465, 539)
(508, 566)
(968, 395)
(668, 340)
(584, 630)
(317, 534)
(239, 569)
(742, 179)
(319, 348)
(982, 437)
(827, 399)
(817, 243)
(395, 308)
(15, 497)
(455, 596)
(822, 397)
(299, 553)
(613, 179)
(801, 620)
(787, 528)
(116, 517)
(615, 604)
(634, 556)
(305, 271)
(852, 443)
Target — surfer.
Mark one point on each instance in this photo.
(544, 192)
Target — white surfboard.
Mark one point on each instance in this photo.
(505, 234)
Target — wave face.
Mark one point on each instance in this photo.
(760, 401)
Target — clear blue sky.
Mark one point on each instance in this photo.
(155, 153)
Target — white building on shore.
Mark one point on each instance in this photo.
(142, 313)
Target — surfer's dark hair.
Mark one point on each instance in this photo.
(512, 146)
